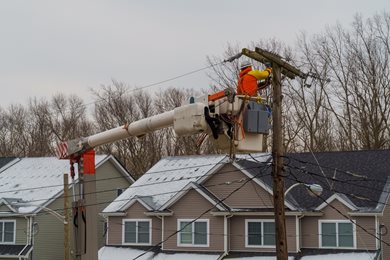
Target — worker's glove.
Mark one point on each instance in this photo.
(269, 69)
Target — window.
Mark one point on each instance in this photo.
(193, 233)
(337, 234)
(137, 232)
(7, 231)
(259, 233)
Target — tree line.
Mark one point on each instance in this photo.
(345, 105)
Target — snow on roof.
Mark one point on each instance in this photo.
(165, 179)
(35, 181)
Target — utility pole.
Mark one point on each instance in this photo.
(279, 66)
(66, 219)
(277, 166)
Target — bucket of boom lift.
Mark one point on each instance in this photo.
(252, 127)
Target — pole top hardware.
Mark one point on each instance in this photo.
(264, 57)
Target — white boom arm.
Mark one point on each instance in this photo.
(225, 118)
(186, 120)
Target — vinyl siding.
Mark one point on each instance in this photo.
(191, 206)
(135, 211)
(4, 208)
(49, 242)
(310, 229)
(237, 234)
(251, 195)
(21, 229)
(386, 238)
(108, 179)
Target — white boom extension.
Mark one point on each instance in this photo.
(228, 119)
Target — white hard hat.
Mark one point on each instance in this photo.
(245, 64)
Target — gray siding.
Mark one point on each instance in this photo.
(4, 208)
(49, 242)
(108, 180)
(135, 211)
(21, 229)
(251, 195)
(190, 206)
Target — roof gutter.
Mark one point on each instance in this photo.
(159, 214)
(112, 214)
(366, 214)
(270, 213)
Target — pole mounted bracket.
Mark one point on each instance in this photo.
(265, 57)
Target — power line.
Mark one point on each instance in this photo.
(198, 217)
(158, 194)
(345, 216)
(147, 173)
(147, 184)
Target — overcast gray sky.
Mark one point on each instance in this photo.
(71, 46)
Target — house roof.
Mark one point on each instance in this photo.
(15, 251)
(166, 178)
(358, 179)
(362, 177)
(4, 161)
(35, 182)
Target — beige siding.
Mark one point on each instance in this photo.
(190, 206)
(385, 220)
(237, 234)
(251, 195)
(310, 227)
(136, 211)
(108, 179)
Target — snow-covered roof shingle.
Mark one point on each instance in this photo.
(166, 178)
(34, 181)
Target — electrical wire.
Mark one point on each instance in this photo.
(147, 173)
(198, 217)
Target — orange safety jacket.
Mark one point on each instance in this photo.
(247, 82)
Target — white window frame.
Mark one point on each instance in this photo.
(262, 221)
(179, 244)
(136, 221)
(2, 221)
(336, 222)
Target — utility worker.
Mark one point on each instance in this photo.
(247, 82)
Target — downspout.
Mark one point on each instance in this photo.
(107, 229)
(32, 236)
(28, 231)
(162, 233)
(226, 240)
(298, 232)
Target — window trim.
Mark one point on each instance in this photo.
(136, 220)
(179, 244)
(262, 221)
(337, 221)
(14, 231)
